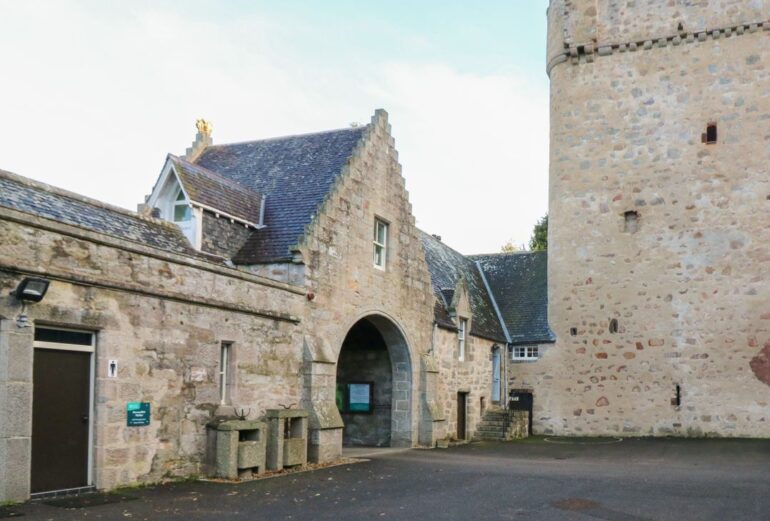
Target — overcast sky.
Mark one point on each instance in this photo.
(94, 94)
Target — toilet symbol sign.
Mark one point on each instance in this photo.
(112, 369)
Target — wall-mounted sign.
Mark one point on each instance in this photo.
(360, 397)
(112, 369)
(138, 414)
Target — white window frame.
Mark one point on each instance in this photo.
(462, 335)
(176, 201)
(527, 352)
(225, 360)
(380, 246)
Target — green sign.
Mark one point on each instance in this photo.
(138, 414)
(360, 397)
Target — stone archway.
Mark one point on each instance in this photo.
(375, 356)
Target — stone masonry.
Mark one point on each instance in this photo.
(658, 242)
(163, 316)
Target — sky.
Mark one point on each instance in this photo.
(94, 94)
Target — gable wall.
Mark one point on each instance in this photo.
(338, 252)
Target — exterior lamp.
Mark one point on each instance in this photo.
(30, 290)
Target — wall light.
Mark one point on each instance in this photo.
(31, 289)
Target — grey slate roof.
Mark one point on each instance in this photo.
(25, 195)
(519, 284)
(446, 267)
(211, 189)
(296, 173)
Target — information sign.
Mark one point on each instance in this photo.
(137, 414)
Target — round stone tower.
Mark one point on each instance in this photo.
(659, 238)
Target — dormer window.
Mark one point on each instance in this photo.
(182, 211)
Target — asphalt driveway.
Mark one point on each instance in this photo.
(633, 480)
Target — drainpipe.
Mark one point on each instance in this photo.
(433, 338)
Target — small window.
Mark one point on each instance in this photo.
(380, 243)
(525, 353)
(631, 221)
(225, 356)
(710, 137)
(461, 332)
(182, 212)
(573, 331)
(613, 325)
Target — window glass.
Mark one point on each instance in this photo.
(461, 331)
(380, 243)
(525, 353)
(224, 362)
(182, 212)
(63, 336)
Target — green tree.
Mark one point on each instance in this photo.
(509, 247)
(539, 239)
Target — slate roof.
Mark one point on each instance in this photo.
(211, 189)
(519, 284)
(296, 173)
(446, 266)
(39, 199)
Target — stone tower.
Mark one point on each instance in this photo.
(659, 240)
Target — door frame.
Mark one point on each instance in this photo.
(497, 355)
(91, 385)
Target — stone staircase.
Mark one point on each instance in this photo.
(502, 425)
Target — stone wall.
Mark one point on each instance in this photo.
(163, 317)
(221, 236)
(591, 27)
(338, 253)
(687, 287)
(368, 365)
(473, 376)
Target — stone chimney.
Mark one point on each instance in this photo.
(202, 140)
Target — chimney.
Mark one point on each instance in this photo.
(202, 140)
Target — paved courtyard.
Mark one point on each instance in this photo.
(632, 480)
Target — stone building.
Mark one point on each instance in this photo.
(659, 245)
(285, 272)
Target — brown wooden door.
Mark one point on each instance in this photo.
(462, 404)
(60, 419)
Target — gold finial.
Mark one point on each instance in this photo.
(204, 127)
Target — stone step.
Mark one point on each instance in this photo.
(493, 422)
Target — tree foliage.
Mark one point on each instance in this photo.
(539, 239)
(509, 247)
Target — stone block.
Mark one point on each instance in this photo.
(16, 399)
(15, 456)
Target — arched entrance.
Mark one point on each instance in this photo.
(374, 385)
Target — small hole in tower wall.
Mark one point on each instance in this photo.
(631, 221)
(614, 325)
(573, 331)
(710, 136)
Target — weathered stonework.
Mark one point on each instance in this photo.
(163, 317)
(686, 284)
(221, 236)
(337, 252)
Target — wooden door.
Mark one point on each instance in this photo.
(462, 406)
(60, 419)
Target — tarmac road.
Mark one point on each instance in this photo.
(631, 480)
